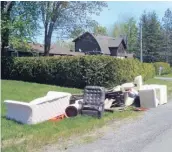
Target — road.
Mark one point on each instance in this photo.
(151, 133)
(164, 78)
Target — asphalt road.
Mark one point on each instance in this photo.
(164, 78)
(151, 133)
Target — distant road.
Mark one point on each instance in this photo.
(164, 78)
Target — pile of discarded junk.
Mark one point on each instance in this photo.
(94, 101)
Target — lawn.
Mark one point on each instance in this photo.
(20, 138)
(168, 75)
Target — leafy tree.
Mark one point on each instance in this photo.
(76, 32)
(151, 32)
(98, 29)
(167, 32)
(63, 17)
(6, 7)
(66, 44)
(92, 27)
(24, 24)
(127, 28)
(119, 29)
(19, 24)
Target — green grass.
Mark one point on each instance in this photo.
(19, 138)
(22, 138)
(168, 75)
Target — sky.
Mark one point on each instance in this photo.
(120, 10)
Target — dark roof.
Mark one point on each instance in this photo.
(104, 41)
(55, 49)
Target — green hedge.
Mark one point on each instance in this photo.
(75, 71)
(165, 67)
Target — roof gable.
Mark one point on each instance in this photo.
(104, 41)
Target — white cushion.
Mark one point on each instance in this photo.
(148, 98)
(39, 110)
(161, 92)
(138, 81)
(127, 86)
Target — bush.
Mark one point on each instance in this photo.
(75, 71)
(165, 67)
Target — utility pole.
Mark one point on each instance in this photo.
(141, 52)
(166, 47)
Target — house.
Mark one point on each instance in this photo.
(55, 50)
(37, 49)
(98, 44)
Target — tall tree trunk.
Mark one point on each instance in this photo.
(47, 45)
(46, 51)
(48, 35)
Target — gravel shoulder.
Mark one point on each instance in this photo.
(151, 131)
(144, 135)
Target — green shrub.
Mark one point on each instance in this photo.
(165, 67)
(75, 71)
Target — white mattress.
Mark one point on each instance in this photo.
(148, 98)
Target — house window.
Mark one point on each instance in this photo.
(14, 54)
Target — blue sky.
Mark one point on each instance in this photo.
(121, 10)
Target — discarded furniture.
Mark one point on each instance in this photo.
(93, 101)
(129, 97)
(118, 96)
(127, 86)
(75, 97)
(117, 88)
(74, 109)
(128, 100)
(138, 82)
(108, 103)
(38, 110)
(137, 102)
(113, 109)
(161, 92)
(148, 98)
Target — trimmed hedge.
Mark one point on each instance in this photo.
(75, 71)
(165, 67)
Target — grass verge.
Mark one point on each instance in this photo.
(22, 138)
(168, 75)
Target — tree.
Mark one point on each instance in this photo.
(63, 17)
(129, 29)
(118, 29)
(98, 29)
(66, 44)
(24, 24)
(76, 32)
(19, 24)
(167, 27)
(151, 33)
(6, 7)
(92, 27)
